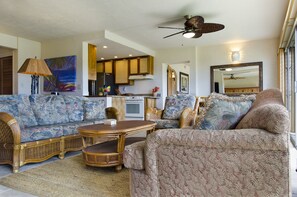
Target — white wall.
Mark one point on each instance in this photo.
(260, 50)
(22, 49)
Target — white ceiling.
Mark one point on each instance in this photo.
(138, 20)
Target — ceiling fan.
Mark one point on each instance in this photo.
(195, 27)
(232, 77)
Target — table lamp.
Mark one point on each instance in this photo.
(35, 67)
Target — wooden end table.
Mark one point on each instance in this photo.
(110, 153)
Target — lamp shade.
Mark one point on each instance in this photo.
(35, 67)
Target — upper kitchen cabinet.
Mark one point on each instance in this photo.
(105, 67)
(92, 74)
(141, 65)
(121, 71)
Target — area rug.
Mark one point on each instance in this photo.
(70, 177)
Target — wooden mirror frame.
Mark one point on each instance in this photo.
(260, 64)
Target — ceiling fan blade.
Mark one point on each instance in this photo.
(172, 28)
(197, 35)
(211, 27)
(194, 22)
(174, 34)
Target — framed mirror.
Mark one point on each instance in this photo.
(235, 79)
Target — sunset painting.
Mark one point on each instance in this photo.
(64, 74)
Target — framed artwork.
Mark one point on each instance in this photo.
(184, 83)
(64, 74)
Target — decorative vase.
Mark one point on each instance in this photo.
(155, 94)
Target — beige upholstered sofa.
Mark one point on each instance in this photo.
(250, 160)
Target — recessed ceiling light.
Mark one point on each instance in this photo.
(130, 55)
(228, 69)
(105, 47)
(102, 58)
(115, 56)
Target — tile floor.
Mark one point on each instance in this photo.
(8, 192)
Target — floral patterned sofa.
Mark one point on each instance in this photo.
(180, 111)
(252, 159)
(36, 127)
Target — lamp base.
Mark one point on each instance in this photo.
(35, 84)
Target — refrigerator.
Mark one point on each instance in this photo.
(104, 80)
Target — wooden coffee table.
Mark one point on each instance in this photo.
(110, 153)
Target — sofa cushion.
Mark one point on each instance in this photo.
(26, 117)
(166, 124)
(26, 112)
(11, 107)
(224, 112)
(71, 128)
(94, 110)
(41, 133)
(49, 109)
(175, 105)
(74, 106)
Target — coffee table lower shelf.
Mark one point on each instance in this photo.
(105, 154)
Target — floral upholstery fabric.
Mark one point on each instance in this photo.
(11, 107)
(133, 156)
(267, 113)
(166, 124)
(41, 133)
(74, 106)
(71, 128)
(175, 105)
(26, 117)
(49, 109)
(224, 112)
(180, 162)
(94, 110)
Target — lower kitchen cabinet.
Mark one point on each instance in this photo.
(120, 104)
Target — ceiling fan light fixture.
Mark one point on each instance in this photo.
(189, 34)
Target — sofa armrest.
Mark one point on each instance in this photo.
(187, 118)
(10, 133)
(112, 113)
(133, 156)
(153, 113)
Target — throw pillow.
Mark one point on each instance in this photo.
(223, 112)
(94, 110)
(11, 108)
(175, 105)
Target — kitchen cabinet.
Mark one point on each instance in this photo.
(92, 74)
(141, 65)
(121, 71)
(120, 104)
(105, 67)
(133, 66)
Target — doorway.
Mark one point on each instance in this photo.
(171, 81)
(6, 75)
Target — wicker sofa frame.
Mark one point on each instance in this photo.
(17, 154)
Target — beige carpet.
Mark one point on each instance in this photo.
(70, 177)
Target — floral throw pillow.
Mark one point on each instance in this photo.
(224, 112)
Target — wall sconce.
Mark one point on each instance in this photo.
(235, 56)
(35, 67)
